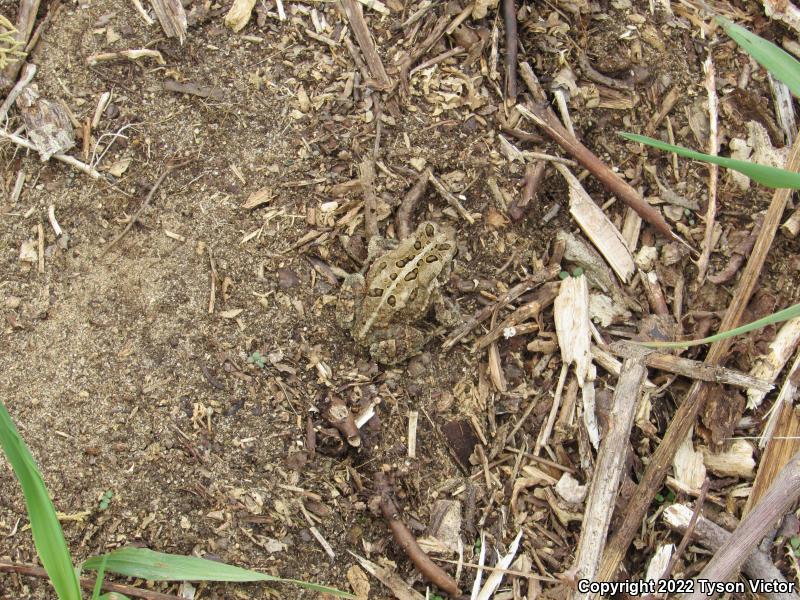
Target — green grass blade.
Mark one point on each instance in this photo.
(157, 566)
(778, 317)
(114, 596)
(98, 584)
(47, 534)
(781, 64)
(769, 176)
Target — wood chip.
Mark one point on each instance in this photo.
(597, 227)
(172, 17)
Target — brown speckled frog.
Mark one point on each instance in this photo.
(381, 311)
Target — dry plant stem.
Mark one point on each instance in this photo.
(27, 76)
(437, 59)
(667, 105)
(515, 292)
(783, 444)
(792, 225)
(73, 162)
(422, 48)
(740, 252)
(707, 533)
(361, 32)
(548, 123)
(172, 18)
(25, 20)
(530, 311)
(693, 369)
(512, 41)
(144, 205)
(522, 135)
(608, 471)
(593, 75)
(779, 499)
(534, 174)
(543, 116)
(87, 583)
(451, 199)
(142, 12)
(713, 170)
(367, 168)
(52, 9)
(405, 539)
(339, 415)
(687, 412)
(402, 219)
(687, 535)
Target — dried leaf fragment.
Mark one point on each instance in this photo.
(28, 252)
(359, 582)
(239, 14)
(571, 312)
(262, 196)
(597, 227)
(119, 167)
(481, 7)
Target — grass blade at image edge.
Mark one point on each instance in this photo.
(779, 63)
(763, 174)
(158, 566)
(782, 315)
(47, 534)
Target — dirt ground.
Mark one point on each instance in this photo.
(178, 370)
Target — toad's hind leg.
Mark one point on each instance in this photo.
(445, 310)
(393, 346)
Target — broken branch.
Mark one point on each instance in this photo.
(405, 539)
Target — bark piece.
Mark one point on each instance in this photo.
(608, 472)
(172, 17)
(46, 123)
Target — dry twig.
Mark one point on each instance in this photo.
(546, 120)
(707, 533)
(780, 498)
(26, 17)
(608, 472)
(370, 202)
(172, 17)
(65, 158)
(713, 170)
(529, 283)
(512, 41)
(27, 76)
(405, 539)
(687, 412)
(144, 205)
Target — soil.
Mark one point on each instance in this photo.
(177, 370)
